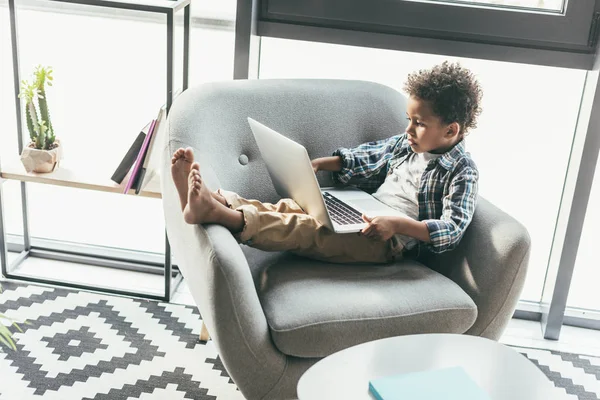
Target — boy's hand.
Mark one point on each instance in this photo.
(380, 228)
(315, 165)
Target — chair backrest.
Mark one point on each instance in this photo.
(322, 115)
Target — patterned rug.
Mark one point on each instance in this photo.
(81, 345)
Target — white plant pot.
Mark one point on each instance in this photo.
(35, 160)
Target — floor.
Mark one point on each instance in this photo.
(518, 333)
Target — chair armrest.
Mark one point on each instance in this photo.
(220, 281)
(490, 265)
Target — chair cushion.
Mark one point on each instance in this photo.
(315, 308)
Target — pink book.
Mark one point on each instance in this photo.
(140, 157)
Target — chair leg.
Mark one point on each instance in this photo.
(204, 336)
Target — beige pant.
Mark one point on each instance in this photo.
(286, 227)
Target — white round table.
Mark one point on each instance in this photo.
(501, 371)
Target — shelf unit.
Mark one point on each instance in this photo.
(70, 176)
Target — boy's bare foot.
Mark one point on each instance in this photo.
(220, 198)
(201, 206)
(181, 164)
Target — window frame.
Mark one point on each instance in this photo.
(574, 29)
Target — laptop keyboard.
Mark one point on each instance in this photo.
(340, 212)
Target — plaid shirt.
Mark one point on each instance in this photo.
(448, 188)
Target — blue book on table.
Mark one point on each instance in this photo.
(448, 383)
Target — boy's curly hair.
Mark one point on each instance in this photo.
(452, 91)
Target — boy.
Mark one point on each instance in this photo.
(424, 172)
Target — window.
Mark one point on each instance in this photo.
(537, 5)
(465, 27)
(516, 133)
(583, 292)
(214, 9)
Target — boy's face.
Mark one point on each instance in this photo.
(426, 131)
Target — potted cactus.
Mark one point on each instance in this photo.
(44, 152)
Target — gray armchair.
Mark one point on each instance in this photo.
(273, 315)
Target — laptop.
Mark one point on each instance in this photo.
(290, 168)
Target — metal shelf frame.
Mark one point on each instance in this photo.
(89, 254)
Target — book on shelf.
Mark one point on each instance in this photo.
(142, 161)
(452, 383)
(138, 161)
(151, 162)
(130, 157)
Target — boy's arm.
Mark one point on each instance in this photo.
(383, 228)
(365, 160)
(410, 227)
(333, 164)
(441, 234)
(458, 209)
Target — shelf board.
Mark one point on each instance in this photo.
(69, 176)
